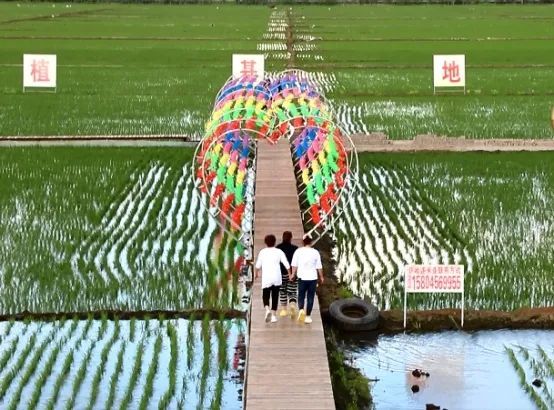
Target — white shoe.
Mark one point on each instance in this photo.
(308, 319)
(267, 315)
(273, 318)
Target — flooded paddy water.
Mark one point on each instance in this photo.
(477, 370)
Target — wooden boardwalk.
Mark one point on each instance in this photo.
(287, 366)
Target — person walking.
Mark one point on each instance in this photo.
(288, 293)
(268, 263)
(306, 264)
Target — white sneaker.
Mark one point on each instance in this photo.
(273, 318)
(308, 319)
(267, 315)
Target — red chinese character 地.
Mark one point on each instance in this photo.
(451, 71)
(248, 68)
(39, 71)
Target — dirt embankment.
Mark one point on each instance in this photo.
(378, 142)
(126, 315)
(392, 321)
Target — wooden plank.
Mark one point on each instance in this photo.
(287, 365)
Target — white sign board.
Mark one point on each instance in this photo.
(449, 70)
(248, 65)
(433, 279)
(39, 70)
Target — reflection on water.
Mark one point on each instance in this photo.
(467, 370)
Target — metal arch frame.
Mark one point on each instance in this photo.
(339, 203)
(217, 210)
(336, 205)
(328, 215)
(351, 156)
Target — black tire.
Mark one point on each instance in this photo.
(354, 315)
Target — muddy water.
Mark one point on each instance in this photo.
(466, 370)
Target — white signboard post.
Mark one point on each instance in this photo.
(433, 279)
(248, 65)
(449, 71)
(39, 70)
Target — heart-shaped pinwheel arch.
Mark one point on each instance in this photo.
(291, 105)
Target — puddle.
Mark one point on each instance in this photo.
(466, 370)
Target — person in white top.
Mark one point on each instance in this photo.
(306, 264)
(269, 263)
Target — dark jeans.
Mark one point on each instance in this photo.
(274, 291)
(309, 287)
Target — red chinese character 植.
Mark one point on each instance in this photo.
(39, 70)
(451, 72)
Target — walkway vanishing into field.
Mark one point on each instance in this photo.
(287, 365)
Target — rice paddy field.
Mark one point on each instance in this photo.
(133, 364)
(115, 229)
(109, 229)
(491, 212)
(152, 69)
(124, 229)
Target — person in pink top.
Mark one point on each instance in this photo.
(268, 263)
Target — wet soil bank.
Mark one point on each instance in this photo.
(392, 321)
(126, 315)
(379, 142)
(350, 387)
(449, 319)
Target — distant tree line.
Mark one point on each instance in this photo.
(276, 2)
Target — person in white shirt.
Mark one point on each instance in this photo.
(306, 264)
(269, 263)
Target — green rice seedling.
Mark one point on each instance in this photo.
(115, 376)
(79, 377)
(190, 341)
(548, 362)
(173, 344)
(41, 379)
(21, 359)
(132, 326)
(517, 366)
(8, 353)
(94, 389)
(66, 367)
(153, 368)
(205, 333)
(9, 328)
(135, 374)
(31, 367)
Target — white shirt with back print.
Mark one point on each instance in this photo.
(269, 260)
(307, 260)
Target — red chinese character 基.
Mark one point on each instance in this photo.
(39, 70)
(451, 72)
(248, 68)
